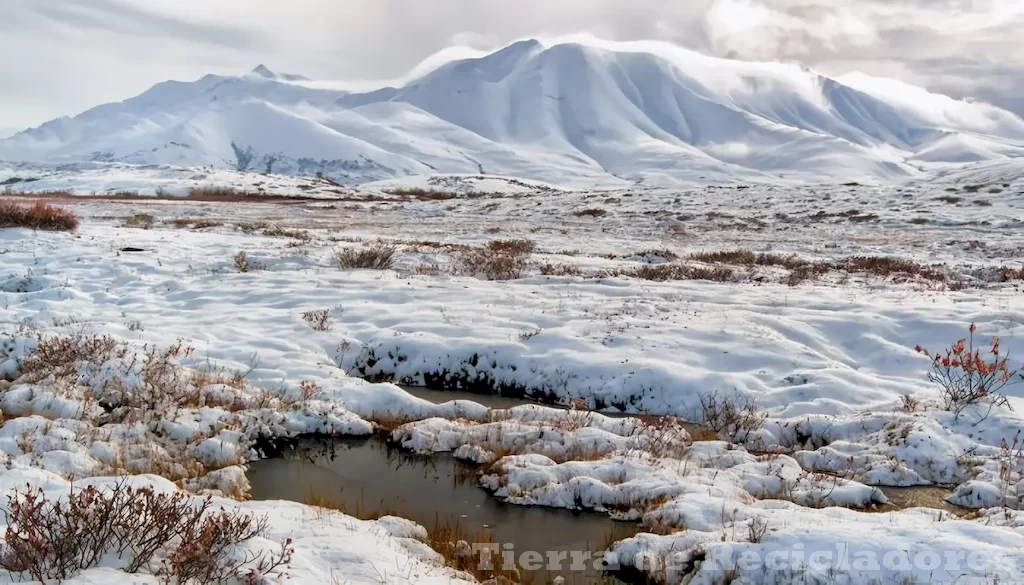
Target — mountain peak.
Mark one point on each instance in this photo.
(263, 71)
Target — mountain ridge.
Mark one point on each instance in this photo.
(561, 113)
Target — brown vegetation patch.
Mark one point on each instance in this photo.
(41, 216)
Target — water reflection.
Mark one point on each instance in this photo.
(369, 477)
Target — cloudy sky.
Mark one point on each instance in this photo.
(63, 56)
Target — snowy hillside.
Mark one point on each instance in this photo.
(569, 114)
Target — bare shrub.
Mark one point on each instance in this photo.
(427, 270)
(757, 529)
(498, 260)
(665, 254)
(202, 555)
(548, 269)
(280, 232)
(965, 377)
(208, 193)
(740, 257)
(423, 194)
(1007, 273)
(308, 390)
(664, 272)
(58, 356)
(195, 223)
(244, 264)
(529, 334)
(378, 256)
(515, 246)
(663, 436)
(56, 539)
(792, 262)
(799, 274)
(318, 319)
(251, 226)
(139, 220)
(886, 267)
(729, 416)
(41, 216)
(1011, 456)
(909, 404)
(152, 381)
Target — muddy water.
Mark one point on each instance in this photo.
(368, 474)
(488, 400)
(920, 497)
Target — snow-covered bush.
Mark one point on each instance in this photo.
(729, 416)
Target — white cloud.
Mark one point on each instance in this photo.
(63, 56)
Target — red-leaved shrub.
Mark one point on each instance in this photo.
(966, 376)
(56, 539)
(41, 216)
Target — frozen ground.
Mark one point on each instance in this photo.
(827, 356)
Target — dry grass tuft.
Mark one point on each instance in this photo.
(377, 256)
(455, 544)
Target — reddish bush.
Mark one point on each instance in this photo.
(56, 539)
(41, 216)
(966, 377)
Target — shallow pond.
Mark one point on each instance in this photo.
(370, 477)
(488, 400)
(368, 474)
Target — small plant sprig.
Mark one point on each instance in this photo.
(966, 376)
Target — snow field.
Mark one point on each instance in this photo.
(827, 361)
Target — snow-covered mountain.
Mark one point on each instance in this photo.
(567, 113)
